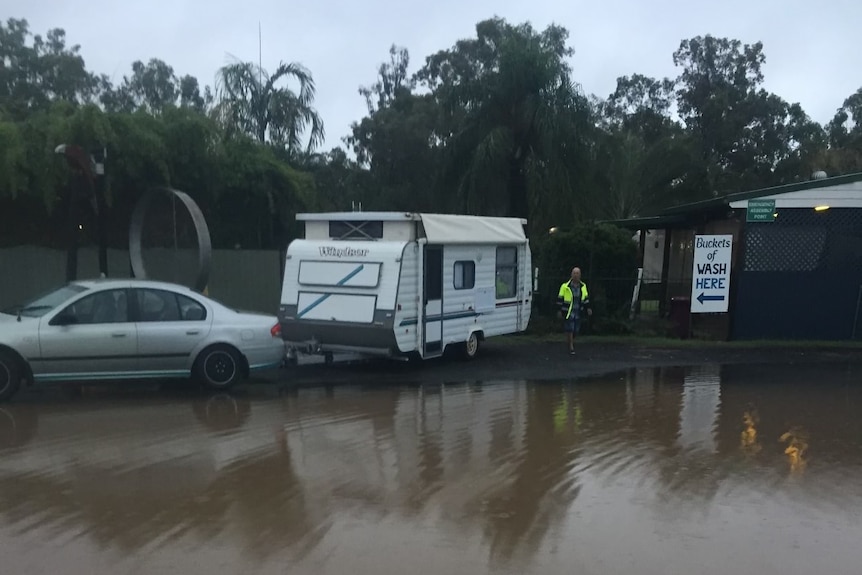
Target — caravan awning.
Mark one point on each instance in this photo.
(460, 229)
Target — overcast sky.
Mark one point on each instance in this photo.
(812, 55)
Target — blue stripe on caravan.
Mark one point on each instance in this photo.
(324, 297)
(433, 318)
(455, 315)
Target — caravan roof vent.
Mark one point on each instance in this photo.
(819, 175)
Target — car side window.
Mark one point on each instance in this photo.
(160, 305)
(190, 310)
(109, 306)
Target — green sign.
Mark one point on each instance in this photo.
(760, 211)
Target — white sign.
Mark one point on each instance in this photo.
(710, 283)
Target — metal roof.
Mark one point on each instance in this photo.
(648, 222)
(724, 201)
(676, 215)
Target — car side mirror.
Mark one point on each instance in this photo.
(64, 318)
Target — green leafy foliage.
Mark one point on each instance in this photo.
(157, 128)
(607, 256)
(494, 124)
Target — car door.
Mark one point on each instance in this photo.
(91, 338)
(170, 326)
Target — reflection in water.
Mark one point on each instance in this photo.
(748, 442)
(519, 511)
(797, 444)
(513, 477)
(17, 426)
(222, 412)
(701, 397)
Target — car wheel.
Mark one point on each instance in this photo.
(219, 367)
(10, 376)
(470, 348)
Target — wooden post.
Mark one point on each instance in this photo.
(737, 264)
(642, 248)
(665, 267)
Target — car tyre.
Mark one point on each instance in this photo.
(218, 367)
(10, 376)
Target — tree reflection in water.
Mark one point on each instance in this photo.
(749, 444)
(501, 464)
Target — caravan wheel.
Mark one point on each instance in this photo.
(470, 348)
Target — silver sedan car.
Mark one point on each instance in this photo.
(132, 329)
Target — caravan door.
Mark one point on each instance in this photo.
(432, 309)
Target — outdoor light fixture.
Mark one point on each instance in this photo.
(552, 230)
(821, 208)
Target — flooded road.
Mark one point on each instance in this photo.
(708, 470)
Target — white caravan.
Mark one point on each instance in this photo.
(404, 284)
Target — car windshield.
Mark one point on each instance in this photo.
(46, 302)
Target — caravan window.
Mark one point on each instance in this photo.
(357, 230)
(507, 272)
(465, 275)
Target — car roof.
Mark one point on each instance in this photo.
(133, 282)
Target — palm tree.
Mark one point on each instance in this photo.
(249, 102)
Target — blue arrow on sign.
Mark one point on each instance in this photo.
(702, 298)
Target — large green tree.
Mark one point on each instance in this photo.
(645, 154)
(154, 86)
(844, 137)
(512, 120)
(741, 134)
(38, 70)
(398, 142)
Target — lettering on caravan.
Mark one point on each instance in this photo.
(331, 252)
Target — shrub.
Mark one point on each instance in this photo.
(608, 258)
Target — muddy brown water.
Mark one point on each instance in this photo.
(708, 470)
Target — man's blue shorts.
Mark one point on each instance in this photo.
(572, 325)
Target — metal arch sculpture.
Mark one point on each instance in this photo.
(201, 230)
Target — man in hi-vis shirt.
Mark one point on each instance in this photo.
(572, 298)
